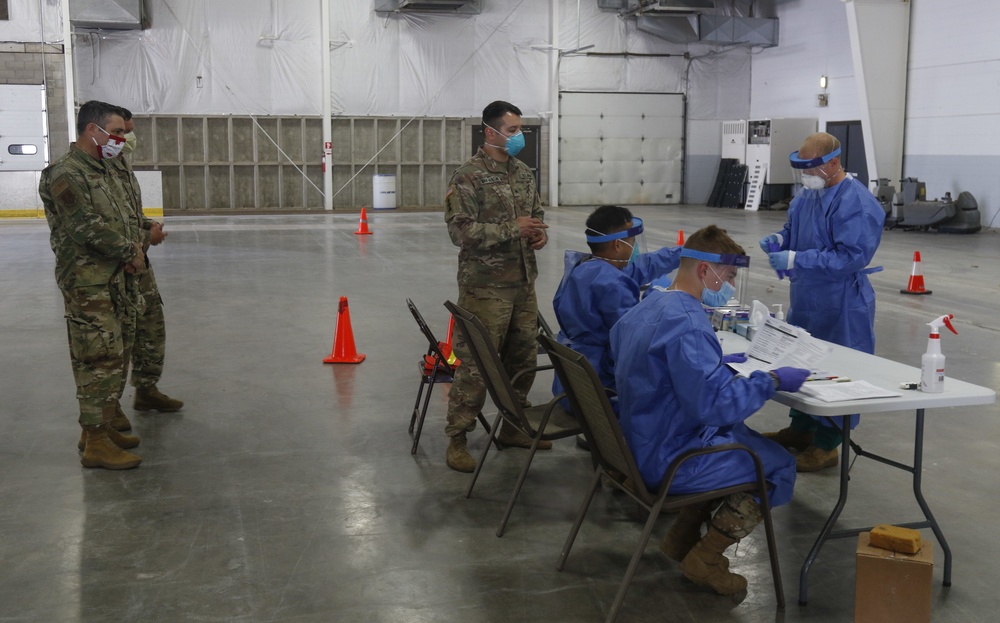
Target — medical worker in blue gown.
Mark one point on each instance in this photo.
(834, 228)
(598, 287)
(676, 394)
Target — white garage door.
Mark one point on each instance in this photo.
(22, 127)
(620, 148)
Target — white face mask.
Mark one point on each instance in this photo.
(813, 182)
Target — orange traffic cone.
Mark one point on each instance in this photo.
(680, 237)
(343, 343)
(363, 226)
(916, 284)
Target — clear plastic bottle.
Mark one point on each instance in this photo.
(932, 362)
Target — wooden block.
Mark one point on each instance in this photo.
(896, 539)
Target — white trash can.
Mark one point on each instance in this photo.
(384, 191)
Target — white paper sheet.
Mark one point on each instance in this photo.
(841, 392)
(778, 344)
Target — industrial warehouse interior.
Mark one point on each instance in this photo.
(285, 489)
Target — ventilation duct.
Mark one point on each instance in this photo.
(729, 30)
(674, 28)
(464, 7)
(631, 6)
(691, 21)
(107, 14)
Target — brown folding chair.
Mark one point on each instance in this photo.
(441, 372)
(589, 401)
(544, 328)
(540, 422)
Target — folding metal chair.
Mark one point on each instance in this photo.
(589, 401)
(544, 329)
(441, 372)
(542, 422)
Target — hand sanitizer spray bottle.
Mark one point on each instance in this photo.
(932, 363)
(780, 315)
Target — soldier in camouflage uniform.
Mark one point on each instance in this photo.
(495, 216)
(97, 252)
(151, 333)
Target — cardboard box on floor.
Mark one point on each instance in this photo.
(891, 587)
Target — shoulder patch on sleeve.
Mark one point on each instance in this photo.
(62, 190)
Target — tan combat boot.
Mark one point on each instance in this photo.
(150, 399)
(511, 437)
(125, 442)
(791, 439)
(458, 457)
(704, 565)
(813, 459)
(118, 420)
(100, 451)
(685, 532)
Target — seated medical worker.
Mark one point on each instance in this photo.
(598, 287)
(675, 394)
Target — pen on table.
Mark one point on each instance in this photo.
(839, 379)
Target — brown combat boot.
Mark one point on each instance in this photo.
(100, 451)
(126, 442)
(685, 532)
(150, 399)
(511, 437)
(457, 455)
(118, 420)
(813, 459)
(791, 439)
(704, 565)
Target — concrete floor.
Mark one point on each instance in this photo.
(285, 489)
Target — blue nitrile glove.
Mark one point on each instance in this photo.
(734, 358)
(782, 260)
(766, 241)
(790, 379)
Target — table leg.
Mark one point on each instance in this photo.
(845, 468)
(918, 459)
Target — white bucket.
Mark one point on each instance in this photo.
(384, 192)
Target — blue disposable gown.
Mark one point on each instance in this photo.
(675, 395)
(834, 233)
(593, 295)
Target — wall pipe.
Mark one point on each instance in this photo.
(70, 79)
(327, 104)
(554, 59)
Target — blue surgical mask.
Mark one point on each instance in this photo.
(717, 299)
(514, 143)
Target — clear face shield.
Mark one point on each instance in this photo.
(632, 239)
(726, 281)
(809, 173)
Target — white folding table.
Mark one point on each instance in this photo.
(886, 374)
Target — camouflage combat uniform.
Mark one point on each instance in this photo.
(496, 274)
(91, 237)
(149, 348)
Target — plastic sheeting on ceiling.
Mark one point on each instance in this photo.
(440, 65)
(262, 57)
